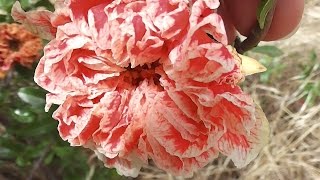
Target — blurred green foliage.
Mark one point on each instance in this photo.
(269, 56)
(30, 146)
(311, 86)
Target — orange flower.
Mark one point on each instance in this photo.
(17, 45)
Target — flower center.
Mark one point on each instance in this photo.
(14, 44)
(146, 72)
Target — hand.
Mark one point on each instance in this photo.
(241, 16)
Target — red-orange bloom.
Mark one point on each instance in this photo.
(17, 45)
(140, 80)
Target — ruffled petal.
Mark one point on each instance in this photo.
(174, 164)
(180, 135)
(37, 22)
(242, 148)
(76, 121)
(70, 65)
(43, 22)
(80, 8)
(240, 126)
(133, 43)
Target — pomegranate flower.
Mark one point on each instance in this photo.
(142, 80)
(17, 45)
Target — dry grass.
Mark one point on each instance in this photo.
(294, 149)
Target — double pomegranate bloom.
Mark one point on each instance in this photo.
(142, 80)
(17, 45)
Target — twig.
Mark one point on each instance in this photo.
(38, 163)
(91, 172)
(92, 166)
(257, 34)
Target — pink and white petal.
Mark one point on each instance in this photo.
(76, 123)
(178, 134)
(169, 18)
(202, 17)
(112, 110)
(56, 80)
(242, 149)
(141, 47)
(99, 27)
(225, 102)
(90, 68)
(223, 106)
(140, 101)
(182, 100)
(203, 63)
(81, 8)
(58, 49)
(123, 166)
(39, 22)
(196, 163)
(175, 165)
(54, 99)
(61, 15)
(68, 66)
(122, 125)
(164, 160)
(242, 134)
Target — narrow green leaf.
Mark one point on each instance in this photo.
(24, 115)
(5, 6)
(32, 96)
(264, 8)
(49, 158)
(22, 161)
(45, 3)
(25, 4)
(271, 51)
(37, 130)
(3, 95)
(63, 152)
(6, 153)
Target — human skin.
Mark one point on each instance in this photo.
(240, 15)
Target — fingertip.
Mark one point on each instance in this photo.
(286, 21)
(287, 16)
(242, 14)
(228, 24)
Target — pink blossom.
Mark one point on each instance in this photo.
(142, 80)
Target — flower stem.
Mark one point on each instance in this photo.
(257, 34)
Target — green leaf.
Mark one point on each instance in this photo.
(63, 152)
(3, 18)
(37, 130)
(24, 73)
(49, 158)
(271, 51)
(264, 8)
(24, 116)
(22, 161)
(25, 4)
(313, 57)
(6, 153)
(5, 5)
(45, 3)
(32, 96)
(3, 95)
